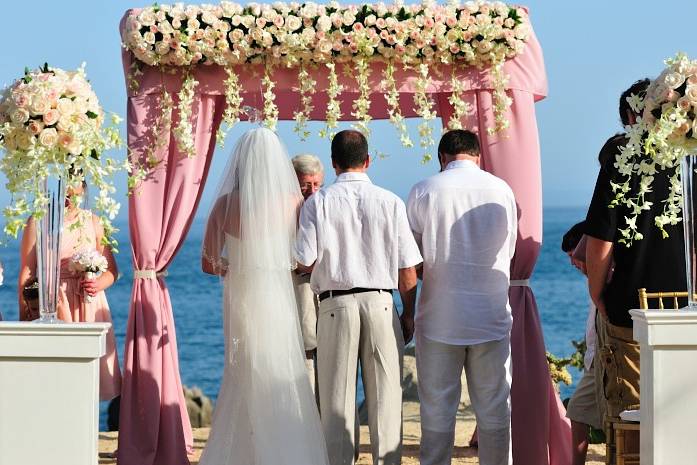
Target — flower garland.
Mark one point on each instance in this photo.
(424, 107)
(460, 107)
(480, 34)
(51, 124)
(184, 131)
(333, 105)
(307, 88)
(233, 104)
(664, 134)
(270, 108)
(361, 106)
(393, 109)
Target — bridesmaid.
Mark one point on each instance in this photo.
(72, 303)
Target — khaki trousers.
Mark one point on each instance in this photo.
(361, 326)
(617, 368)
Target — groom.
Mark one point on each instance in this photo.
(356, 238)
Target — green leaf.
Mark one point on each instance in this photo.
(91, 115)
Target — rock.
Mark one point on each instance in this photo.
(198, 406)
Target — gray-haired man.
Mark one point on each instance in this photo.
(310, 174)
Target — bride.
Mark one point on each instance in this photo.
(266, 412)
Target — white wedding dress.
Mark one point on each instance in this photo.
(266, 412)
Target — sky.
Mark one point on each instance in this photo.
(593, 50)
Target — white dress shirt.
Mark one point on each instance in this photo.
(356, 234)
(465, 221)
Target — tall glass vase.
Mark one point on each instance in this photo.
(49, 230)
(689, 202)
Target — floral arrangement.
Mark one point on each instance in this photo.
(90, 263)
(664, 134)
(51, 123)
(557, 369)
(477, 34)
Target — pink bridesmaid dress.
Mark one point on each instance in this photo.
(74, 307)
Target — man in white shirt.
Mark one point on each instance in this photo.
(310, 173)
(356, 237)
(465, 221)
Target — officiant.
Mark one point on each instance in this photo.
(356, 238)
(310, 174)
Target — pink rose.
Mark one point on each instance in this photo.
(451, 21)
(65, 139)
(428, 23)
(278, 21)
(51, 117)
(260, 22)
(380, 23)
(21, 100)
(35, 127)
(357, 27)
(684, 104)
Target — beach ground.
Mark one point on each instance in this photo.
(410, 455)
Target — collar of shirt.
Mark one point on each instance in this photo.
(460, 164)
(351, 176)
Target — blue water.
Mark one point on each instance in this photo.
(559, 288)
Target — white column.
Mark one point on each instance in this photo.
(49, 392)
(668, 341)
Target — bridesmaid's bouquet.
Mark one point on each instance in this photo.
(90, 263)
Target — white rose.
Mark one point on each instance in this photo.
(348, 18)
(324, 23)
(147, 17)
(75, 148)
(19, 115)
(39, 105)
(293, 23)
(691, 94)
(149, 37)
(48, 137)
(208, 18)
(674, 80)
(325, 46)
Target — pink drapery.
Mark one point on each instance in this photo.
(154, 426)
(541, 433)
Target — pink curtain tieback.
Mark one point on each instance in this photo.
(149, 274)
(520, 283)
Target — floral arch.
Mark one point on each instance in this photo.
(188, 73)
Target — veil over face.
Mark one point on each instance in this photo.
(256, 205)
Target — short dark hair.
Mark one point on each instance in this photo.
(459, 141)
(349, 149)
(572, 237)
(638, 88)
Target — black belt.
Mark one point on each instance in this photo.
(355, 290)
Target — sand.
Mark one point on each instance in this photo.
(412, 433)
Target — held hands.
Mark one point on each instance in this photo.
(407, 324)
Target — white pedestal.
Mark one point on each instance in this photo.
(668, 341)
(49, 392)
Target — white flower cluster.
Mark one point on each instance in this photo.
(88, 261)
(664, 134)
(479, 32)
(51, 124)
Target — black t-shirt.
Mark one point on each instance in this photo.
(653, 262)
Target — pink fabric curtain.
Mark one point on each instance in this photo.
(154, 426)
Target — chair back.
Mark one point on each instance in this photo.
(645, 296)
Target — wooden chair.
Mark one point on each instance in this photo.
(645, 296)
(616, 428)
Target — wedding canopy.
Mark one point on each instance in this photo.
(154, 426)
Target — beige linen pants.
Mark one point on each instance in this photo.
(307, 314)
(488, 370)
(361, 326)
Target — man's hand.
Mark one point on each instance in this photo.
(407, 323)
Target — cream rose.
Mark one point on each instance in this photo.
(39, 106)
(293, 23)
(324, 23)
(674, 80)
(691, 94)
(48, 138)
(19, 115)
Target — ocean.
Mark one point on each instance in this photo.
(196, 298)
